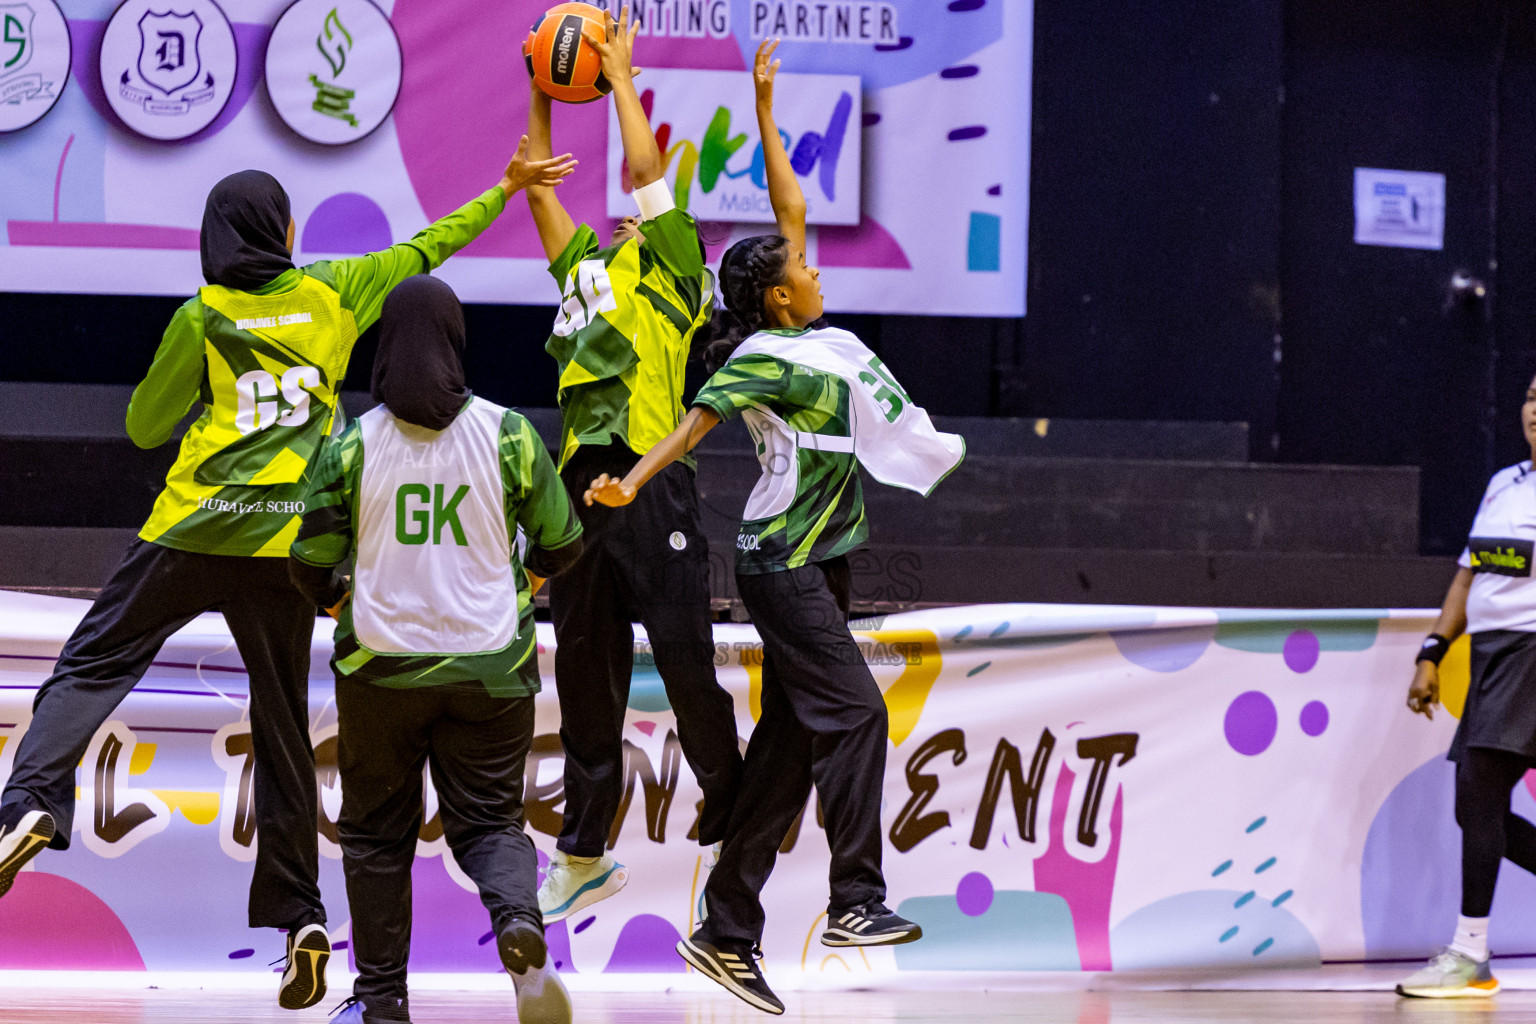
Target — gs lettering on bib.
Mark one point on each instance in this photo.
(1503, 556)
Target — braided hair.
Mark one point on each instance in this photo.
(748, 269)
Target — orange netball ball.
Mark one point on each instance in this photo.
(561, 61)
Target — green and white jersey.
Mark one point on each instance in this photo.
(820, 405)
(440, 594)
(267, 366)
(621, 337)
(808, 506)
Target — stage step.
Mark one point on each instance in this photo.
(75, 561)
(1009, 524)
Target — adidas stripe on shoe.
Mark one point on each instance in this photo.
(870, 924)
(736, 972)
(309, 950)
(25, 839)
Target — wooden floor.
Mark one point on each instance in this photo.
(57, 1006)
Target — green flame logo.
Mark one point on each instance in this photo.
(333, 42)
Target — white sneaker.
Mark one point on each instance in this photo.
(1450, 974)
(541, 995)
(21, 842)
(576, 882)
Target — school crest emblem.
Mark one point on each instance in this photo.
(168, 50)
(34, 61)
(168, 67)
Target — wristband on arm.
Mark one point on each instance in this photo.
(1433, 649)
(654, 199)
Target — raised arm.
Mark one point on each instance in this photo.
(364, 281)
(608, 491)
(783, 186)
(549, 214)
(617, 51)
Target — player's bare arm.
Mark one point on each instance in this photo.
(554, 224)
(606, 490)
(617, 52)
(783, 186)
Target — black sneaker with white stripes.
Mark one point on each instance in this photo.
(868, 924)
(23, 835)
(735, 970)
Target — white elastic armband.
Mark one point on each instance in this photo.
(654, 199)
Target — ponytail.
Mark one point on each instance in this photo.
(748, 269)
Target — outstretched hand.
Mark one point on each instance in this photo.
(522, 172)
(764, 69)
(1424, 694)
(610, 491)
(617, 48)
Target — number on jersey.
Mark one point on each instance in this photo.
(592, 294)
(887, 391)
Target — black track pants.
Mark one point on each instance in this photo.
(648, 561)
(153, 593)
(476, 745)
(823, 721)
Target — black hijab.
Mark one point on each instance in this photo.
(245, 231)
(419, 370)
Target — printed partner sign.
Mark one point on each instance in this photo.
(713, 151)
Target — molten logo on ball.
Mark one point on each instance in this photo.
(567, 40)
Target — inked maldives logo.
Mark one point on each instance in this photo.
(709, 159)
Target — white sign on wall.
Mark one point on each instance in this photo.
(1405, 209)
(714, 154)
(34, 61)
(333, 69)
(168, 73)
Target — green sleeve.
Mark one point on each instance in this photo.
(673, 240)
(364, 281)
(327, 531)
(581, 246)
(171, 385)
(536, 498)
(743, 383)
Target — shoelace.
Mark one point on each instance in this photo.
(344, 1004)
(1445, 960)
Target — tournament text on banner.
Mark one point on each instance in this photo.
(1067, 788)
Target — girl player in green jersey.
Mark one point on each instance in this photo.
(264, 348)
(436, 658)
(819, 405)
(621, 340)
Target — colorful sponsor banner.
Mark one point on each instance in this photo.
(1067, 788)
(715, 152)
(941, 109)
